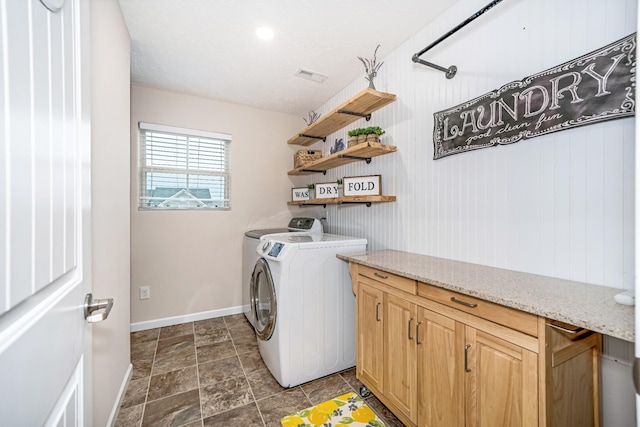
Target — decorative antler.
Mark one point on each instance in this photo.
(370, 66)
(313, 116)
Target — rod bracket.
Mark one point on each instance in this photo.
(451, 71)
(303, 135)
(313, 171)
(367, 117)
(346, 156)
(355, 203)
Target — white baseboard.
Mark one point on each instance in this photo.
(176, 320)
(123, 389)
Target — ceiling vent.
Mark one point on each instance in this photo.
(311, 75)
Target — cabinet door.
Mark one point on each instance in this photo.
(400, 377)
(501, 382)
(370, 335)
(440, 344)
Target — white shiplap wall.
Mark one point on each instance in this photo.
(560, 205)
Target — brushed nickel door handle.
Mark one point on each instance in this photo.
(380, 275)
(101, 306)
(377, 312)
(418, 333)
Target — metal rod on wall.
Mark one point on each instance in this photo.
(452, 70)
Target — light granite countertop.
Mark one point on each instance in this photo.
(581, 304)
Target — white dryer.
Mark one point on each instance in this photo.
(304, 307)
(250, 256)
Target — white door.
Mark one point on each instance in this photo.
(44, 213)
(636, 365)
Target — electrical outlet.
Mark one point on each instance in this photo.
(145, 292)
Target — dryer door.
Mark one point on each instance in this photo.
(263, 300)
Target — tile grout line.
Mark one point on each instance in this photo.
(246, 377)
(195, 349)
(146, 395)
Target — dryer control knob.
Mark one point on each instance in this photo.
(266, 246)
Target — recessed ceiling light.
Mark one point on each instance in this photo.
(264, 33)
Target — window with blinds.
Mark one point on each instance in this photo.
(183, 168)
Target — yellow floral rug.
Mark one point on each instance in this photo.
(347, 410)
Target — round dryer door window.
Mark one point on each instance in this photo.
(263, 300)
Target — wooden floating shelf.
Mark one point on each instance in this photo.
(361, 105)
(363, 151)
(368, 200)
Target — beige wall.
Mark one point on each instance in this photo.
(110, 88)
(192, 260)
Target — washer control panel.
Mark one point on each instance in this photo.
(272, 249)
(276, 249)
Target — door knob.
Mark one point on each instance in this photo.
(96, 310)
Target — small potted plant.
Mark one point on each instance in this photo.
(312, 191)
(374, 133)
(353, 137)
(339, 182)
(362, 135)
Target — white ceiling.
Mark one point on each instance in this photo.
(209, 47)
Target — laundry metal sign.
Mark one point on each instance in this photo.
(597, 86)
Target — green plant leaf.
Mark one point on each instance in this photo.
(346, 420)
(339, 402)
(377, 423)
(304, 413)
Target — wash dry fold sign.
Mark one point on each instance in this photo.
(597, 86)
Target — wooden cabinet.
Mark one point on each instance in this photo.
(468, 377)
(399, 343)
(501, 382)
(370, 332)
(440, 343)
(438, 358)
(573, 376)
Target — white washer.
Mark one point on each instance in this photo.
(304, 307)
(250, 256)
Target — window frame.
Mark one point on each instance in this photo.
(143, 169)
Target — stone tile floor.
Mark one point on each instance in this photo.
(210, 373)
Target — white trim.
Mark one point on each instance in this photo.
(184, 131)
(176, 320)
(120, 397)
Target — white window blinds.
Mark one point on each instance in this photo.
(183, 168)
